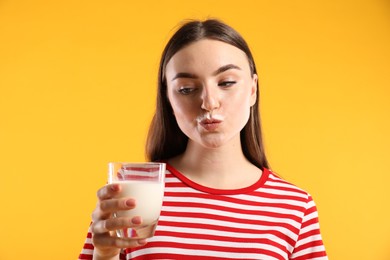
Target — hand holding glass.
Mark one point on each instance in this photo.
(145, 183)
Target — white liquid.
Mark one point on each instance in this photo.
(148, 195)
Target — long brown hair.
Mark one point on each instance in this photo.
(165, 139)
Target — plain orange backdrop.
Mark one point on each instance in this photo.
(78, 85)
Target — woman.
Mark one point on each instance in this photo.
(221, 201)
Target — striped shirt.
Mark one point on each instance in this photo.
(271, 219)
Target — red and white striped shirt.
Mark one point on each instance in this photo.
(271, 219)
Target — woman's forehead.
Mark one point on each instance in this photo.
(210, 53)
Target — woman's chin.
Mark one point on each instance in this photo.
(213, 142)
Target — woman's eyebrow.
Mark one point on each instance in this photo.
(184, 75)
(225, 68)
(218, 71)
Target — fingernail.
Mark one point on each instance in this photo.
(142, 241)
(115, 187)
(130, 202)
(136, 220)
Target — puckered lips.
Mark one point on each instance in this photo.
(210, 124)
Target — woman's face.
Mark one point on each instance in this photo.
(211, 91)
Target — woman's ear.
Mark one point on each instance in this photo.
(254, 89)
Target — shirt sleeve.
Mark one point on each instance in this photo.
(87, 251)
(309, 244)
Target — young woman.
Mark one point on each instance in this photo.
(221, 200)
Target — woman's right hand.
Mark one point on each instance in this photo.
(106, 244)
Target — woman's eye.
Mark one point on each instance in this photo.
(227, 83)
(186, 90)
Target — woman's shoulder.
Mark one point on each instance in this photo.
(276, 182)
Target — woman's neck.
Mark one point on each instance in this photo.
(224, 167)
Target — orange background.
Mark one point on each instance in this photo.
(77, 89)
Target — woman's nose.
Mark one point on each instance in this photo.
(210, 100)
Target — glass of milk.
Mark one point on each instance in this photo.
(145, 183)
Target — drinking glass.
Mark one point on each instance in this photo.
(145, 183)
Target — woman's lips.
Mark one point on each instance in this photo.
(210, 124)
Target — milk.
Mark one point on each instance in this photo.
(148, 195)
